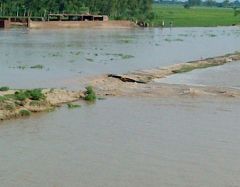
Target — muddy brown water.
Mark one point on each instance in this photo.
(70, 53)
(125, 142)
(131, 142)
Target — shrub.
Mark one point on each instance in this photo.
(4, 88)
(90, 94)
(35, 94)
(21, 96)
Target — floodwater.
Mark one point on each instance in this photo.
(224, 76)
(68, 54)
(141, 142)
(130, 142)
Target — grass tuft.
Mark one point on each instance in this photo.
(90, 94)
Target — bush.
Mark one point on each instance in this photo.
(4, 88)
(35, 94)
(90, 94)
(21, 96)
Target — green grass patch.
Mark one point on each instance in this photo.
(90, 94)
(35, 94)
(3, 98)
(188, 68)
(126, 56)
(194, 17)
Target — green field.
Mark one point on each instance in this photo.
(194, 17)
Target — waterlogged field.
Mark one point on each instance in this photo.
(194, 17)
(55, 58)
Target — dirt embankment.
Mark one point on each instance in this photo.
(141, 83)
(14, 103)
(146, 76)
(81, 24)
(17, 103)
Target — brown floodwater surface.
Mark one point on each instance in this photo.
(125, 142)
(69, 53)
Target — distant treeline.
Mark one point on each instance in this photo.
(117, 9)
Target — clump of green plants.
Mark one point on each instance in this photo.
(4, 88)
(89, 59)
(20, 95)
(21, 67)
(90, 94)
(35, 94)
(38, 66)
(126, 56)
(24, 113)
(187, 68)
(3, 98)
(72, 106)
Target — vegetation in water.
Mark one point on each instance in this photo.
(90, 94)
(72, 106)
(187, 68)
(38, 66)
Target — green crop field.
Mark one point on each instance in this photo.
(194, 17)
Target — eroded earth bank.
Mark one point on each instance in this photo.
(19, 103)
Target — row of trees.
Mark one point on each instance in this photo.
(114, 8)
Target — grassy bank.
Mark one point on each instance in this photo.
(194, 17)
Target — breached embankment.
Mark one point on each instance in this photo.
(133, 84)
